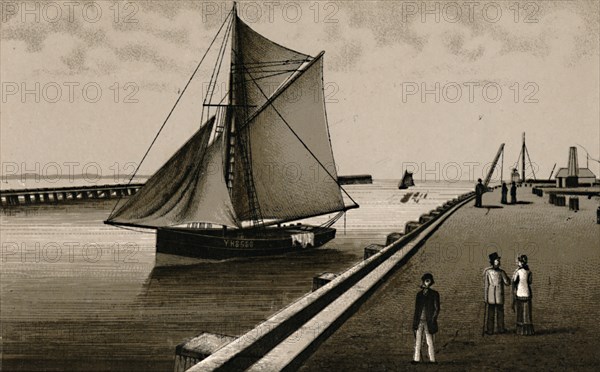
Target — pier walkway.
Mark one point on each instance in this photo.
(563, 247)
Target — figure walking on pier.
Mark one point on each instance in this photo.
(504, 199)
(494, 281)
(479, 190)
(522, 297)
(513, 193)
(427, 308)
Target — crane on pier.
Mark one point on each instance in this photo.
(551, 172)
(524, 152)
(494, 164)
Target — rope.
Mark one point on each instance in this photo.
(216, 70)
(298, 137)
(171, 112)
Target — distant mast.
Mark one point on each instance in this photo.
(523, 150)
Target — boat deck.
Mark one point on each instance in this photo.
(267, 233)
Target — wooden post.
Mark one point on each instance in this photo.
(197, 349)
(393, 237)
(410, 226)
(370, 250)
(574, 203)
(321, 280)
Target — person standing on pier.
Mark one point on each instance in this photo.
(522, 297)
(513, 193)
(479, 190)
(427, 308)
(494, 281)
(504, 199)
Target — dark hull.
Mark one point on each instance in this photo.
(216, 244)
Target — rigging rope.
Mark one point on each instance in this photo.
(172, 109)
(270, 102)
(216, 70)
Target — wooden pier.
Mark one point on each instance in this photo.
(66, 194)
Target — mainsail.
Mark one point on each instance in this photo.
(274, 145)
(292, 161)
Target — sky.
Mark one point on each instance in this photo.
(434, 86)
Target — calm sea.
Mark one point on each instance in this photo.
(78, 295)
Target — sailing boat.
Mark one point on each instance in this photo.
(407, 180)
(262, 160)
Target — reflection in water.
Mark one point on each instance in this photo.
(79, 295)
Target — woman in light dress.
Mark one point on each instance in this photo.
(522, 297)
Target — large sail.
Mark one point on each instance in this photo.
(261, 66)
(292, 161)
(189, 188)
(258, 67)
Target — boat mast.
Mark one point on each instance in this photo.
(523, 149)
(238, 144)
(229, 128)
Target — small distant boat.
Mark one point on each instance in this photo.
(218, 196)
(407, 181)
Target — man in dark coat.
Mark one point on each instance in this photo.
(479, 190)
(494, 279)
(513, 193)
(504, 193)
(427, 308)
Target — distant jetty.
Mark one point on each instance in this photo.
(355, 179)
(66, 194)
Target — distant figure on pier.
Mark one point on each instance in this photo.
(494, 281)
(479, 190)
(513, 193)
(522, 297)
(504, 199)
(427, 308)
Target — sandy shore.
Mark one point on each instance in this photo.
(564, 255)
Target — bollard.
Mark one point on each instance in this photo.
(321, 280)
(370, 250)
(198, 348)
(410, 226)
(560, 201)
(425, 218)
(574, 203)
(551, 198)
(393, 237)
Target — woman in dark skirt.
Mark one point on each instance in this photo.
(522, 297)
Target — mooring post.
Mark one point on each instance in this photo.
(322, 279)
(197, 349)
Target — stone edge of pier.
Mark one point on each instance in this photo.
(288, 337)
